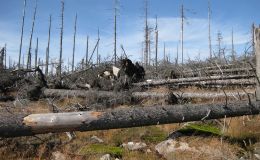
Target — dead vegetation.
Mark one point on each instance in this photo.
(119, 94)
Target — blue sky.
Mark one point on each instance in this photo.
(94, 14)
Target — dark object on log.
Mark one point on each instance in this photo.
(130, 73)
(35, 89)
(12, 125)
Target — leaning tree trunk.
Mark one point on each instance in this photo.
(31, 124)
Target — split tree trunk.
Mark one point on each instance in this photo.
(12, 125)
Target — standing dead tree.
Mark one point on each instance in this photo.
(61, 38)
(257, 53)
(115, 30)
(182, 32)
(87, 52)
(21, 41)
(74, 40)
(29, 56)
(2, 56)
(97, 48)
(48, 49)
(209, 27)
(36, 54)
(156, 45)
(146, 30)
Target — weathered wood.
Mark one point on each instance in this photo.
(217, 71)
(25, 125)
(229, 82)
(21, 40)
(257, 53)
(205, 95)
(138, 95)
(191, 79)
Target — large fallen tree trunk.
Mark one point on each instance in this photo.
(229, 82)
(205, 95)
(139, 95)
(12, 124)
(219, 71)
(192, 79)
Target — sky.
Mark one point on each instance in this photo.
(98, 14)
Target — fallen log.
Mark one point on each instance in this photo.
(12, 124)
(139, 95)
(191, 79)
(229, 82)
(205, 95)
(218, 71)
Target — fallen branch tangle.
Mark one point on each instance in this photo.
(12, 125)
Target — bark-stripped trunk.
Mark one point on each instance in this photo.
(211, 79)
(218, 71)
(25, 125)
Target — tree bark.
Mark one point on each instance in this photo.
(257, 53)
(218, 71)
(12, 125)
(138, 95)
(191, 79)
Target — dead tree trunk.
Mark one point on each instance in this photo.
(192, 79)
(29, 58)
(138, 95)
(219, 71)
(36, 54)
(156, 45)
(21, 41)
(74, 40)
(87, 53)
(12, 125)
(61, 38)
(257, 53)
(48, 49)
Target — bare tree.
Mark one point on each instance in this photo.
(219, 39)
(21, 41)
(36, 53)
(48, 49)
(61, 37)
(87, 51)
(74, 40)
(98, 47)
(209, 27)
(182, 32)
(156, 44)
(146, 49)
(257, 53)
(29, 58)
(233, 48)
(115, 30)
